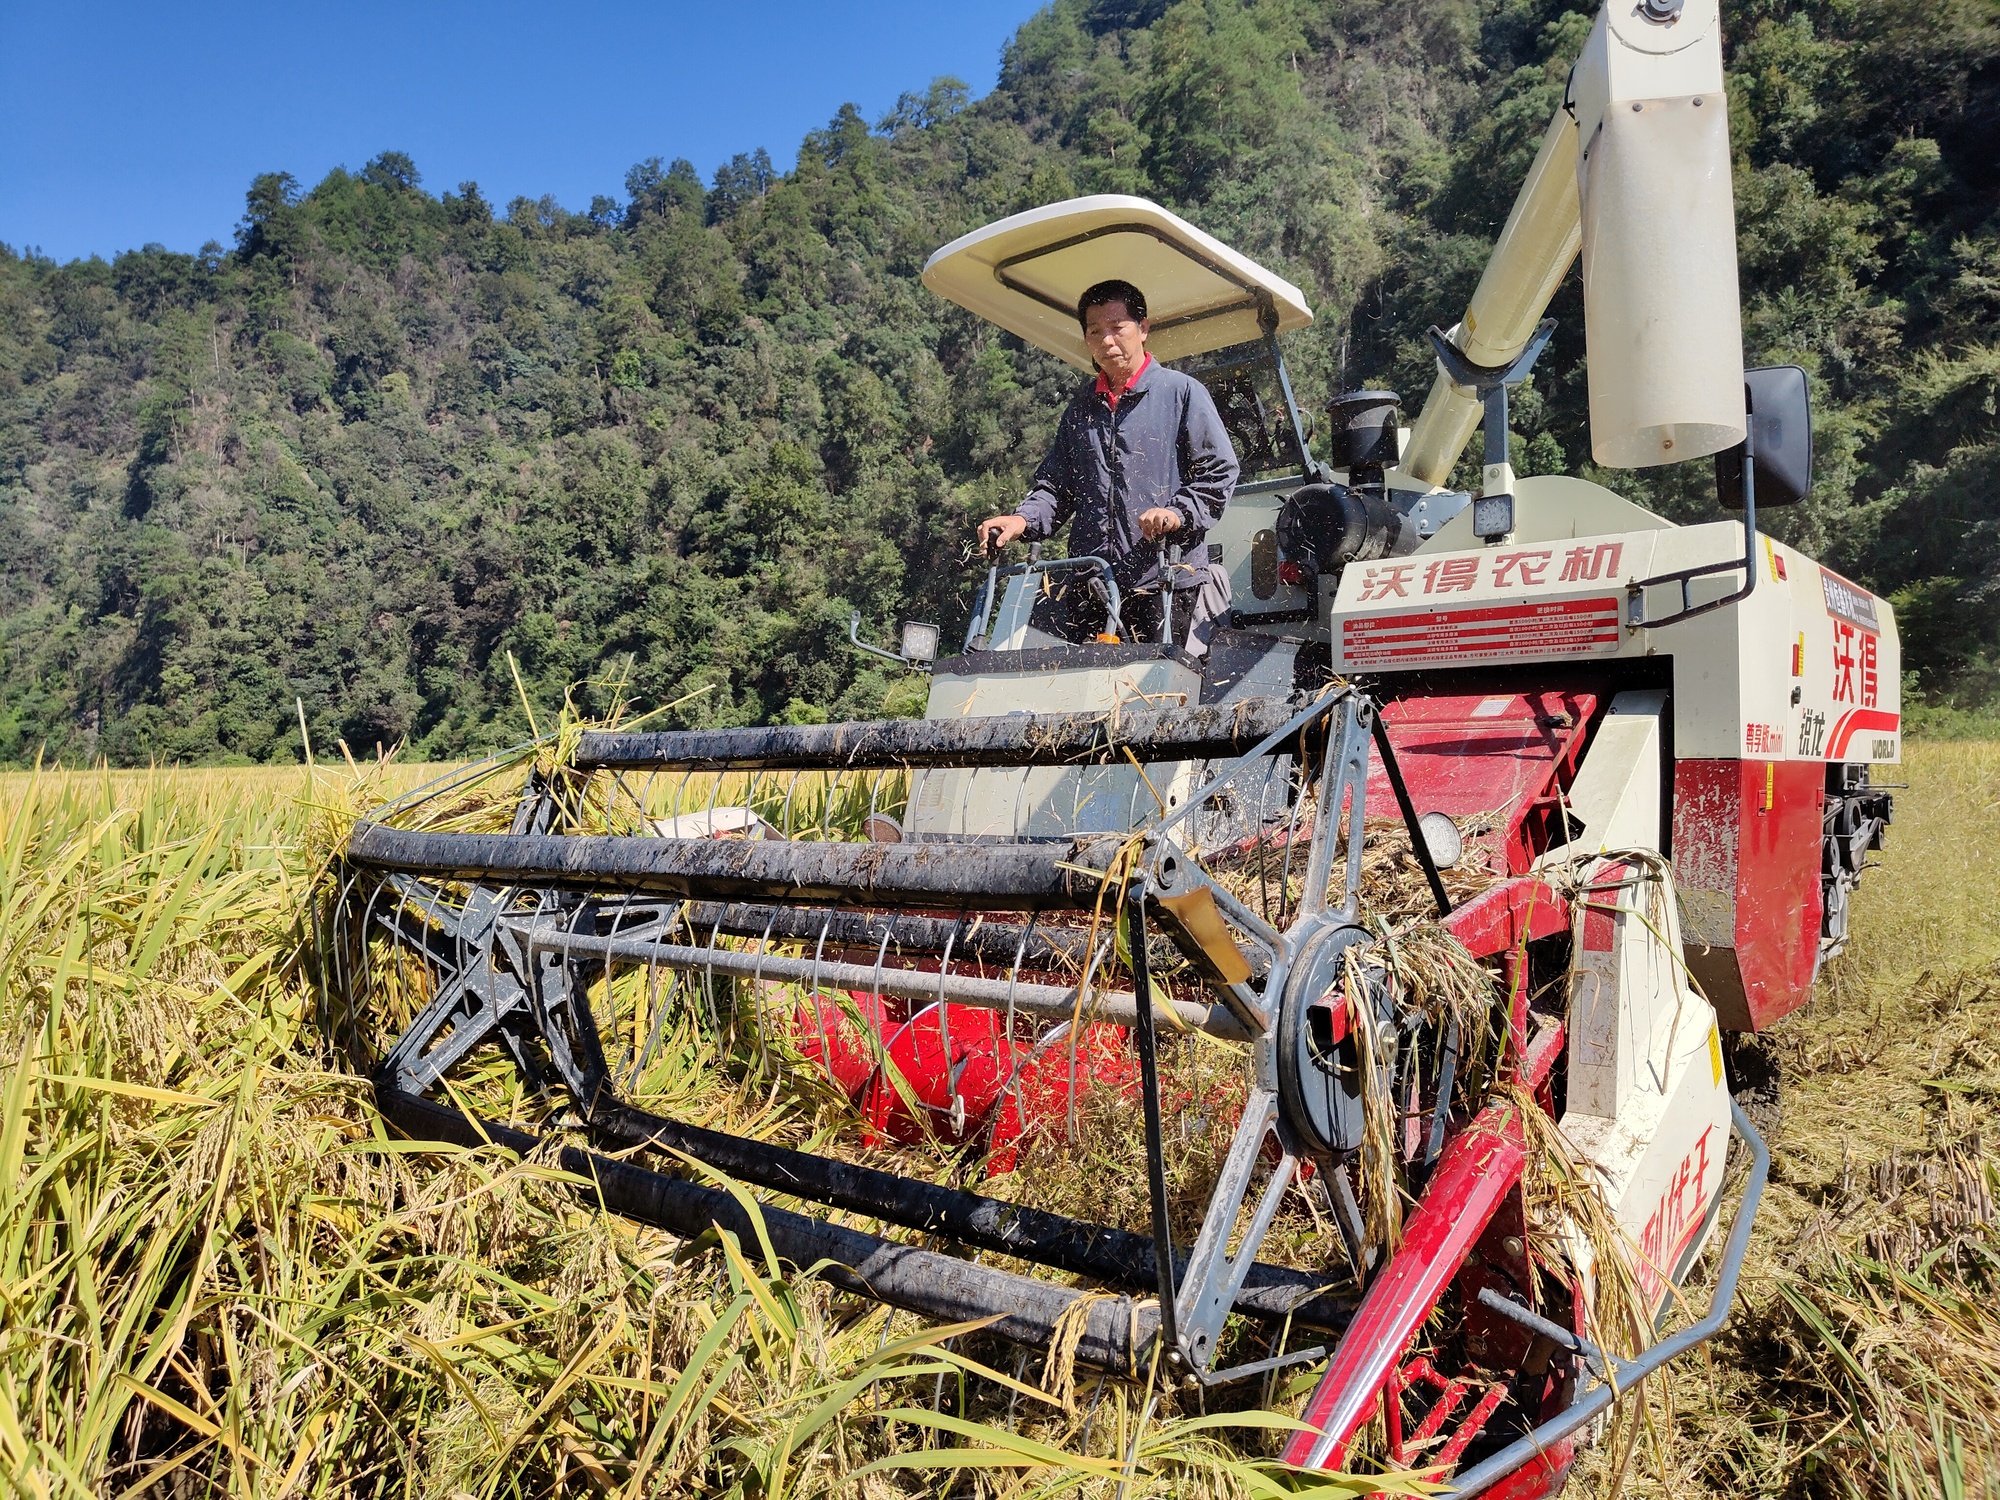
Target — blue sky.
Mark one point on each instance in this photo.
(125, 123)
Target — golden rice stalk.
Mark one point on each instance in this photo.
(1380, 1161)
(1059, 1364)
(1573, 1233)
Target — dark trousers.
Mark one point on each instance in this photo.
(1074, 609)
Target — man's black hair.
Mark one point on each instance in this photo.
(1107, 292)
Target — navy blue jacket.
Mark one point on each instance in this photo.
(1162, 445)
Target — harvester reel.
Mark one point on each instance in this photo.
(521, 931)
(1321, 1048)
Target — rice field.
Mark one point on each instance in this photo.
(1864, 1357)
(219, 1274)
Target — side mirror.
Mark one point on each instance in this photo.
(1779, 410)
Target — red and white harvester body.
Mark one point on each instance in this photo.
(1639, 750)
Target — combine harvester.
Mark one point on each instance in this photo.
(1645, 746)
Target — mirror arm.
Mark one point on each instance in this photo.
(854, 640)
(1635, 592)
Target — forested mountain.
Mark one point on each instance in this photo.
(388, 438)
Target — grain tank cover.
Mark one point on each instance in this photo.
(1026, 272)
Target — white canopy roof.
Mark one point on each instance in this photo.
(1027, 271)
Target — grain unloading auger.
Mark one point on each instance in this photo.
(1623, 766)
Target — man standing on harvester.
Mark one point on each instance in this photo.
(1142, 462)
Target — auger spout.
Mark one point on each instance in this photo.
(1535, 250)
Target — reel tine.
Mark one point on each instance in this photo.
(944, 974)
(813, 991)
(785, 808)
(661, 1007)
(708, 985)
(757, 995)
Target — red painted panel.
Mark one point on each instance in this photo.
(1543, 1474)
(1540, 1058)
(1708, 814)
(1600, 911)
(1856, 720)
(828, 1033)
(1501, 1262)
(1778, 902)
(1497, 757)
(1747, 837)
(954, 1060)
(984, 1080)
(1039, 1098)
(1538, 1061)
(1503, 917)
(1476, 1172)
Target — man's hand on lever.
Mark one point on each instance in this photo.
(996, 532)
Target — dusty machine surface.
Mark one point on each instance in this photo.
(1625, 763)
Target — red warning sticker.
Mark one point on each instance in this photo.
(1500, 632)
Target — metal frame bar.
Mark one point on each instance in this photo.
(1015, 1229)
(1635, 592)
(942, 1287)
(1626, 1373)
(1418, 845)
(1203, 732)
(1053, 1002)
(1480, 1166)
(1027, 946)
(1344, 778)
(1308, 465)
(948, 876)
(1282, 735)
(1490, 384)
(1149, 1098)
(1214, 1276)
(1257, 296)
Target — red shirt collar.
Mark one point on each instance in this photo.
(1104, 385)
